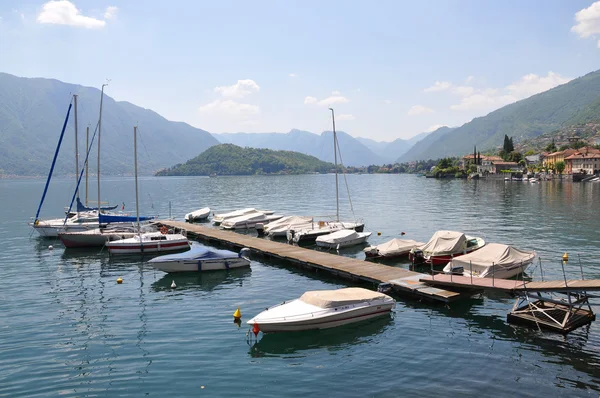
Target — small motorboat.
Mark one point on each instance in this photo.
(322, 309)
(392, 248)
(200, 259)
(309, 235)
(198, 215)
(444, 246)
(149, 242)
(249, 220)
(279, 228)
(342, 238)
(219, 218)
(495, 260)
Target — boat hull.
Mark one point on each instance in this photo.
(50, 231)
(72, 240)
(200, 266)
(326, 322)
(352, 242)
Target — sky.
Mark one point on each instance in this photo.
(390, 69)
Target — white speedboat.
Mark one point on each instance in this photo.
(249, 220)
(200, 259)
(322, 309)
(150, 242)
(219, 218)
(198, 215)
(309, 235)
(342, 238)
(392, 248)
(494, 260)
(279, 228)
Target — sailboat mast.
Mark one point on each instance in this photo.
(99, 129)
(337, 194)
(76, 146)
(87, 145)
(137, 208)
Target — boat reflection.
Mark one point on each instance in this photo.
(206, 281)
(338, 338)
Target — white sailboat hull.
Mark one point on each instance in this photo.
(153, 242)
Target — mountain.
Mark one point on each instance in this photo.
(531, 117)
(387, 151)
(32, 112)
(354, 153)
(422, 146)
(229, 159)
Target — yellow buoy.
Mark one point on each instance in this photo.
(119, 281)
(565, 257)
(378, 233)
(237, 314)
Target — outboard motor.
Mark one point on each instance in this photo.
(385, 288)
(290, 235)
(418, 257)
(245, 253)
(260, 229)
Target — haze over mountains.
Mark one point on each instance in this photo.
(32, 112)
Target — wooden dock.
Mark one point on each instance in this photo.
(402, 281)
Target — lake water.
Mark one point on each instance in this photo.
(67, 328)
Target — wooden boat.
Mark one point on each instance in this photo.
(322, 309)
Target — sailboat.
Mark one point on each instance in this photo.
(148, 242)
(310, 235)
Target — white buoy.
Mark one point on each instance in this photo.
(173, 285)
(50, 247)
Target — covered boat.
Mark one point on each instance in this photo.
(445, 245)
(322, 309)
(495, 260)
(219, 218)
(342, 238)
(249, 220)
(200, 259)
(279, 228)
(392, 248)
(198, 215)
(309, 235)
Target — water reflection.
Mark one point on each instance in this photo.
(334, 339)
(206, 281)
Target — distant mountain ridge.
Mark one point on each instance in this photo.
(32, 112)
(573, 102)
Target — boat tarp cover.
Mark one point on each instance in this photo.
(339, 236)
(445, 242)
(396, 246)
(204, 212)
(340, 297)
(288, 221)
(81, 207)
(105, 219)
(496, 254)
(197, 253)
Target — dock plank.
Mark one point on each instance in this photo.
(401, 279)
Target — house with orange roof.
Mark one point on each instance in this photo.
(586, 161)
(551, 159)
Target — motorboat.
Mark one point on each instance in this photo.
(342, 238)
(200, 259)
(322, 309)
(149, 242)
(444, 246)
(99, 236)
(219, 218)
(309, 235)
(495, 260)
(279, 228)
(249, 220)
(392, 248)
(198, 215)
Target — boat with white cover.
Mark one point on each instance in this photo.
(249, 220)
(219, 218)
(342, 238)
(309, 235)
(444, 246)
(495, 260)
(279, 228)
(198, 215)
(392, 248)
(322, 309)
(200, 259)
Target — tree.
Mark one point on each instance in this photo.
(560, 167)
(551, 147)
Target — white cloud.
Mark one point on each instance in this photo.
(588, 21)
(463, 91)
(334, 99)
(238, 90)
(346, 117)
(469, 79)
(292, 75)
(493, 98)
(532, 84)
(230, 107)
(387, 102)
(419, 110)
(310, 100)
(438, 86)
(63, 12)
(111, 12)
(336, 93)
(434, 127)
